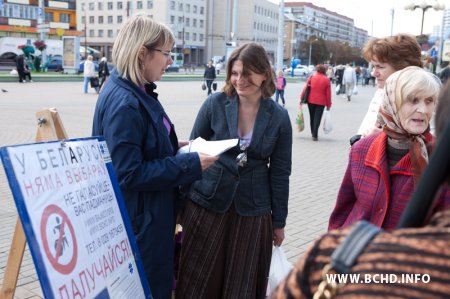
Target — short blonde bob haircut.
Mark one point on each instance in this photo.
(254, 58)
(138, 34)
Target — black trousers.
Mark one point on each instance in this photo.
(315, 116)
(208, 84)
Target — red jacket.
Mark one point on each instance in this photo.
(320, 93)
(373, 192)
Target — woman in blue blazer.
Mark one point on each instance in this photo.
(142, 142)
(239, 208)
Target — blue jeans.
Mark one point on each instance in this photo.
(279, 93)
(86, 85)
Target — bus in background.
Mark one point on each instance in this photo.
(178, 59)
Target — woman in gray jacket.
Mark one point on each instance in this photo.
(239, 208)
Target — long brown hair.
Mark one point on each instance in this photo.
(254, 58)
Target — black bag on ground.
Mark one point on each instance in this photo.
(94, 82)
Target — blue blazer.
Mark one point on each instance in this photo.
(260, 187)
(149, 173)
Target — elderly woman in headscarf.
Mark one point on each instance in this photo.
(384, 167)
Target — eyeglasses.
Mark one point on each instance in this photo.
(167, 54)
(241, 159)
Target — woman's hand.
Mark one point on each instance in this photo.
(278, 236)
(207, 160)
(182, 143)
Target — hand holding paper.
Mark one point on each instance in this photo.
(212, 148)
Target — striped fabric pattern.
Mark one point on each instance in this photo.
(224, 255)
(402, 252)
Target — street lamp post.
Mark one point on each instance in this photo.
(310, 48)
(424, 6)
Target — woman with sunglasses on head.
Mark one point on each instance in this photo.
(142, 142)
(239, 208)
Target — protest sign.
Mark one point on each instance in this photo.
(75, 220)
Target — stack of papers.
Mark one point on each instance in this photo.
(212, 148)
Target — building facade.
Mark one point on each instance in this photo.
(19, 18)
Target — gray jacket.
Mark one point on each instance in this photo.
(261, 186)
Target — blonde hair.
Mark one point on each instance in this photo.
(138, 32)
(417, 82)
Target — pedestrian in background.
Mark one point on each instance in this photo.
(384, 167)
(349, 80)
(89, 72)
(319, 98)
(209, 75)
(281, 84)
(238, 210)
(103, 71)
(142, 142)
(20, 66)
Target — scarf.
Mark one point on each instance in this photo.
(393, 127)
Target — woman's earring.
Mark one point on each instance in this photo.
(143, 66)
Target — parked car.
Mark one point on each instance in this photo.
(300, 70)
(173, 68)
(81, 68)
(55, 64)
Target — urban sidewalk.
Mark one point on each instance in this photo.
(317, 170)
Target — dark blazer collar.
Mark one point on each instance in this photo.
(147, 98)
(263, 116)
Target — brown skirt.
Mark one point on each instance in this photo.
(224, 255)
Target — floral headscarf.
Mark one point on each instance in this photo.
(389, 112)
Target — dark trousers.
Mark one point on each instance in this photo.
(208, 84)
(21, 75)
(280, 93)
(102, 80)
(315, 116)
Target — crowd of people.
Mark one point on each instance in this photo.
(233, 207)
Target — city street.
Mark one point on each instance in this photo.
(317, 170)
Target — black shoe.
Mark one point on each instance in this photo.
(4, 90)
(315, 139)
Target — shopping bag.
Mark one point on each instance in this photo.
(279, 268)
(355, 90)
(327, 125)
(204, 86)
(300, 120)
(214, 86)
(338, 88)
(94, 82)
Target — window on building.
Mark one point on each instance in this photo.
(110, 19)
(180, 35)
(110, 33)
(194, 22)
(202, 10)
(188, 22)
(82, 6)
(91, 5)
(150, 4)
(172, 19)
(186, 36)
(83, 20)
(202, 37)
(180, 20)
(139, 5)
(180, 6)
(119, 5)
(110, 6)
(119, 19)
(100, 33)
(64, 18)
(172, 5)
(202, 23)
(91, 33)
(194, 36)
(49, 17)
(188, 8)
(100, 5)
(91, 20)
(100, 19)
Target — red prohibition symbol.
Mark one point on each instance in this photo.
(61, 242)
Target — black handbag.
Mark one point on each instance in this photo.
(94, 82)
(214, 86)
(203, 86)
(307, 91)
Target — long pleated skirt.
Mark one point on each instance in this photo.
(224, 255)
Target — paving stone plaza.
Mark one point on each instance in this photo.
(317, 170)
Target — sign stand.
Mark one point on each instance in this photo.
(50, 127)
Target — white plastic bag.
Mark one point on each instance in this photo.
(13, 72)
(279, 268)
(338, 88)
(355, 90)
(327, 125)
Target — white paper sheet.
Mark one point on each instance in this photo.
(212, 148)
